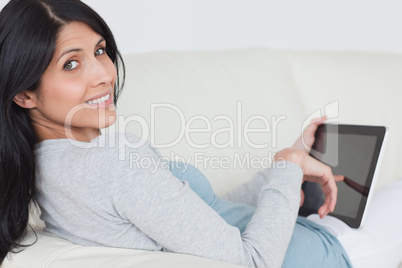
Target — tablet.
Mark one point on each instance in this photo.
(354, 151)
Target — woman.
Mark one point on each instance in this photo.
(59, 84)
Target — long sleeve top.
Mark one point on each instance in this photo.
(117, 191)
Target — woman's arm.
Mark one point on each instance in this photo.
(247, 193)
(169, 212)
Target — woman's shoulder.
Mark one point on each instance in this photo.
(119, 148)
(118, 151)
(117, 160)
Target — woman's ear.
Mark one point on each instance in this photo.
(25, 99)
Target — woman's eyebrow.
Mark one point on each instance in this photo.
(69, 51)
(100, 41)
(78, 49)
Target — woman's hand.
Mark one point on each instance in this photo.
(306, 140)
(314, 171)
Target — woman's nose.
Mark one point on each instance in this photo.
(102, 72)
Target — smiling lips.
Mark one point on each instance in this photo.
(101, 102)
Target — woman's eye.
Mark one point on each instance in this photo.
(100, 51)
(71, 65)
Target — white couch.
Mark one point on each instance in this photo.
(244, 89)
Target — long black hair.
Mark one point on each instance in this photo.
(28, 33)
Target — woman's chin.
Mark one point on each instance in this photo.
(107, 121)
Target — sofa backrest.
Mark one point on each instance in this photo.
(227, 112)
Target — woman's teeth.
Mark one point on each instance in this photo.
(99, 100)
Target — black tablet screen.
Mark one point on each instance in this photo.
(351, 151)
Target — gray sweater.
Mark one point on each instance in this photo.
(94, 194)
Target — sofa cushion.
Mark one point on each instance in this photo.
(50, 251)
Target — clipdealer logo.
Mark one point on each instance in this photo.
(238, 132)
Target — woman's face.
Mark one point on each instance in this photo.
(75, 97)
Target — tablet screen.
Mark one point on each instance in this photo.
(352, 151)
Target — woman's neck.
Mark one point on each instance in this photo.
(79, 134)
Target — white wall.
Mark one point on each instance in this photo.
(151, 25)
